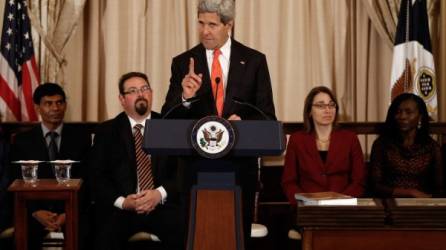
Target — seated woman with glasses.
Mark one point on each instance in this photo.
(322, 157)
(405, 160)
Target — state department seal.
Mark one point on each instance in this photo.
(426, 83)
(212, 137)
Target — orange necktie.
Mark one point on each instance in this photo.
(217, 89)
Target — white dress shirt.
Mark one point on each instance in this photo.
(224, 60)
(120, 200)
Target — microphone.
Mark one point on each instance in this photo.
(243, 103)
(217, 82)
(174, 107)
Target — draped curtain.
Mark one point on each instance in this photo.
(310, 43)
(54, 23)
(344, 44)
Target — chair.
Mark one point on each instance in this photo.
(141, 236)
(258, 230)
(53, 241)
(7, 238)
(7, 233)
(293, 234)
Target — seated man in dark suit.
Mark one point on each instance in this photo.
(133, 190)
(5, 217)
(6, 242)
(50, 140)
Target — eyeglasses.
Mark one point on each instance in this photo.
(323, 106)
(135, 91)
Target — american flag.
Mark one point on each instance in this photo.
(19, 75)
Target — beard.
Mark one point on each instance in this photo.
(141, 106)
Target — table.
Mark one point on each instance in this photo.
(375, 224)
(364, 238)
(46, 189)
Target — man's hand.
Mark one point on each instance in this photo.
(234, 117)
(191, 82)
(60, 221)
(47, 219)
(130, 202)
(147, 201)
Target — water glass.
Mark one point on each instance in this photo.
(29, 172)
(62, 172)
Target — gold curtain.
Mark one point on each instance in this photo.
(307, 43)
(54, 22)
(119, 36)
(440, 56)
(317, 42)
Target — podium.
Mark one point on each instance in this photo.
(375, 224)
(215, 220)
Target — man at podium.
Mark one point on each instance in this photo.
(217, 77)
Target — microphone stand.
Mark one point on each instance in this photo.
(189, 100)
(243, 103)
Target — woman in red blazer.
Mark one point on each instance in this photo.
(323, 158)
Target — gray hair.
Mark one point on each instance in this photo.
(224, 8)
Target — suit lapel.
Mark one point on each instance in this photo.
(40, 152)
(332, 149)
(66, 143)
(125, 133)
(40, 139)
(236, 69)
(314, 152)
(201, 66)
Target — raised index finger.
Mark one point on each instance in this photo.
(191, 66)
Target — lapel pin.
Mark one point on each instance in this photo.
(242, 62)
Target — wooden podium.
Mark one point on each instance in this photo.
(215, 220)
(46, 189)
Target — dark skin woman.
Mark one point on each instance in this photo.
(405, 160)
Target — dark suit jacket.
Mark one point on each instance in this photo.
(5, 213)
(113, 160)
(31, 145)
(305, 172)
(248, 80)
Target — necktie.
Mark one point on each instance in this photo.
(143, 162)
(52, 146)
(217, 88)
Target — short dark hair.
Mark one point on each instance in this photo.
(391, 130)
(48, 89)
(308, 121)
(129, 75)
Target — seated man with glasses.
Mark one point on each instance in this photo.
(323, 158)
(133, 190)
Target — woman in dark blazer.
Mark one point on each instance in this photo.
(322, 157)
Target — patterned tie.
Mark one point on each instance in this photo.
(52, 146)
(217, 89)
(143, 163)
